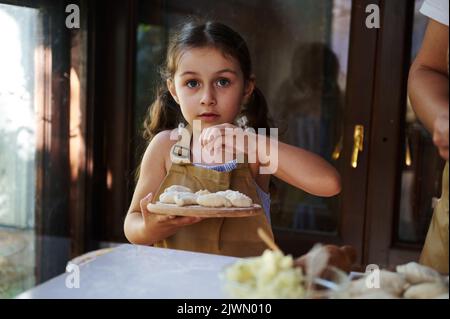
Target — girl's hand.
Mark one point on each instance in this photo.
(230, 138)
(162, 225)
(440, 135)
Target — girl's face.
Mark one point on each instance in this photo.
(209, 86)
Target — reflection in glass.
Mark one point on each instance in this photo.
(310, 101)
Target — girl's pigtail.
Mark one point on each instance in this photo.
(257, 112)
(164, 114)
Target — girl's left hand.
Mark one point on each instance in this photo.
(218, 137)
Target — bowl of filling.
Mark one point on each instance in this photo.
(271, 275)
(274, 275)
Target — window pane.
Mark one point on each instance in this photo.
(299, 51)
(19, 37)
(422, 167)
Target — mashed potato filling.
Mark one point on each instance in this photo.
(271, 275)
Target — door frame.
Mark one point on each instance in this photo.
(386, 151)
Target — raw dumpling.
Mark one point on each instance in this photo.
(236, 198)
(375, 294)
(390, 282)
(178, 188)
(202, 192)
(183, 199)
(426, 290)
(169, 197)
(182, 196)
(213, 200)
(416, 273)
(223, 193)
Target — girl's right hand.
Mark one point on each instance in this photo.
(164, 225)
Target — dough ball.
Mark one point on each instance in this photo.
(213, 200)
(178, 188)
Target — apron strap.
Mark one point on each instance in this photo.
(180, 153)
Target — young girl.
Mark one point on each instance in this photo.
(209, 78)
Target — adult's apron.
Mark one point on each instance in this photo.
(435, 249)
(232, 236)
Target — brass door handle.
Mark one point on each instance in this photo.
(358, 139)
(408, 160)
(337, 149)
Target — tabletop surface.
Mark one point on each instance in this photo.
(132, 271)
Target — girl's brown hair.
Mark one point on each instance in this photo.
(165, 114)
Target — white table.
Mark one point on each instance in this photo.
(131, 271)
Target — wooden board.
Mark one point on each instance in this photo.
(201, 211)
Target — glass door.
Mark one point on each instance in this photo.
(35, 148)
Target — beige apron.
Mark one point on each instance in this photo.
(223, 236)
(435, 249)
